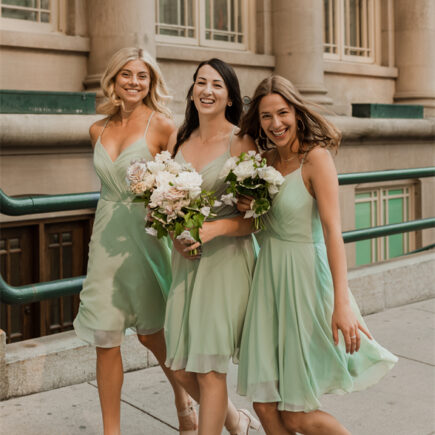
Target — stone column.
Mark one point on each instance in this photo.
(415, 55)
(114, 24)
(298, 45)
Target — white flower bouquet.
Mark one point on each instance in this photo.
(172, 193)
(249, 175)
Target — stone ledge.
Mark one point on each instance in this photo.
(393, 283)
(44, 41)
(359, 69)
(59, 360)
(65, 131)
(198, 54)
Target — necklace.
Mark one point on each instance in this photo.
(285, 160)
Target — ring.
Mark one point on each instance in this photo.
(353, 336)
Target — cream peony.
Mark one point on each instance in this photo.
(245, 170)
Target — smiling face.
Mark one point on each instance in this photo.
(278, 120)
(210, 94)
(132, 83)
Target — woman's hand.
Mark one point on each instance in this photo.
(184, 248)
(344, 319)
(244, 203)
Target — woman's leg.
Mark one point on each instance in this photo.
(110, 376)
(156, 344)
(313, 423)
(189, 381)
(213, 402)
(271, 419)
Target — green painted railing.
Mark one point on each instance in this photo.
(63, 287)
(32, 204)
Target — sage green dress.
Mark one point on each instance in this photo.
(287, 353)
(129, 271)
(208, 297)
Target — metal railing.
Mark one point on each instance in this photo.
(49, 203)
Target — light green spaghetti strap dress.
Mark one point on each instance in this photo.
(208, 297)
(129, 271)
(287, 353)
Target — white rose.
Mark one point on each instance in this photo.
(205, 211)
(151, 231)
(271, 175)
(165, 180)
(162, 157)
(189, 181)
(155, 167)
(228, 199)
(157, 198)
(173, 167)
(245, 170)
(229, 165)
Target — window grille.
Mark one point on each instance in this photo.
(349, 29)
(37, 11)
(215, 23)
(383, 206)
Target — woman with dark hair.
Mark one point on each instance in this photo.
(209, 293)
(291, 352)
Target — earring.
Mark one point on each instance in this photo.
(230, 103)
(301, 125)
(259, 134)
(191, 98)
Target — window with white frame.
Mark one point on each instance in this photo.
(349, 30)
(208, 23)
(382, 206)
(28, 14)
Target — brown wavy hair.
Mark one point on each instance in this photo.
(312, 128)
(158, 95)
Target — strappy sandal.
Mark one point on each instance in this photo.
(244, 425)
(184, 413)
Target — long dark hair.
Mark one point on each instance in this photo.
(232, 113)
(312, 128)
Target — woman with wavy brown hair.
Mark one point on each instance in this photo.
(129, 272)
(291, 351)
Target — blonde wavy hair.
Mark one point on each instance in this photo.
(158, 95)
(312, 128)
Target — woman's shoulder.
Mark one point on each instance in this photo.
(241, 144)
(317, 155)
(96, 128)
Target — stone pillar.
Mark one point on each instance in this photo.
(415, 55)
(114, 24)
(298, 45)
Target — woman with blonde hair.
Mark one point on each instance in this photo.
(291, 351)
(129, 272)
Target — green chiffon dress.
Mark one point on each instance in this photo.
(287, 352)
(208, 297)
(129, 271)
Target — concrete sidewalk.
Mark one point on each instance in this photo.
(401, 404)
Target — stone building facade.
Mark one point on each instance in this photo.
(337, 53)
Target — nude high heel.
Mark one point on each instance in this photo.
(249, 422)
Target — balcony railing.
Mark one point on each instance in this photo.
(50, 203)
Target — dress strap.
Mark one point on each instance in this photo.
(231, 137)
(104, 127)
(304, 157)
(148, 123)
